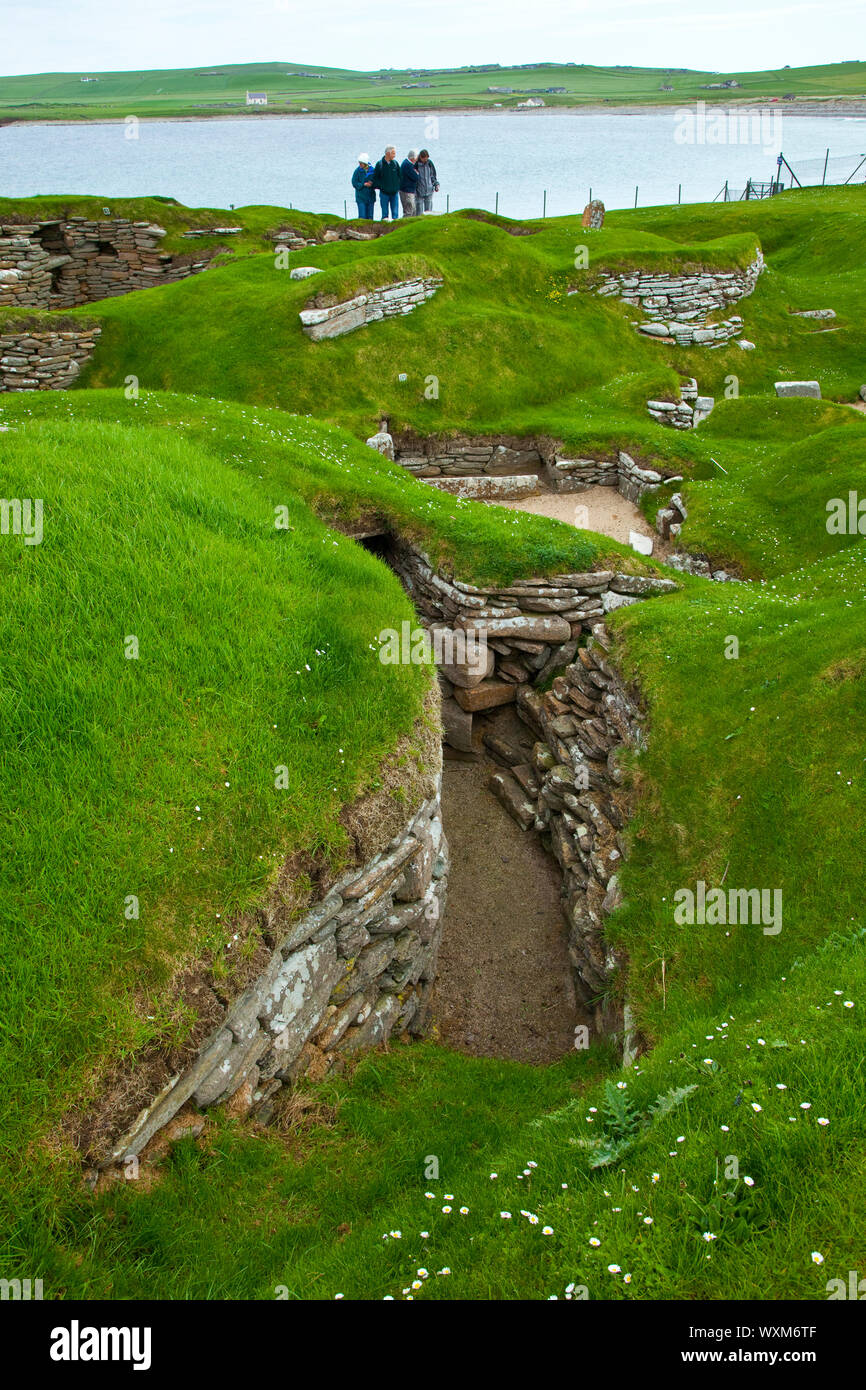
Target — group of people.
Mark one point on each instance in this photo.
(408, 186)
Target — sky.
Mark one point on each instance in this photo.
(720, 35)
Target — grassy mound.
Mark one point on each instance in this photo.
(180, 648)
(768, 509)
(511, 349)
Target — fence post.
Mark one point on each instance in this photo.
(680, 194)
(826, 162)
(497, 204)
(345, 211)
(447, 202)
(635, 194)
(726, 191)
(590, 195)
(855, 171)
(544, 209)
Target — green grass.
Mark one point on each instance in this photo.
(221, 90)
(768, 509)
(159, 521)
(154, 776)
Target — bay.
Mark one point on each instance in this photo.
(306, 161)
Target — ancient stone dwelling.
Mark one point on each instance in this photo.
(64, 263)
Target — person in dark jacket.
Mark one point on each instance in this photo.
(365, 193)
(387, 178)
(428, 183)
(408, 184)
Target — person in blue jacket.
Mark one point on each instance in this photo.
(365, 193)
(408, 184)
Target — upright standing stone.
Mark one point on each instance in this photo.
(593, 215)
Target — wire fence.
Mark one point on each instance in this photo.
(815, 172)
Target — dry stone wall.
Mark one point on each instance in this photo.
(677, 307)
(573, 792)
(466, 456)
(532, 628)
(64, 264)
(574, 788)
(669, 524)
(621, 472)
(356, 969)
(487, 468)
(686, 413)
(387, 301)
(44, 359)
(290, 239)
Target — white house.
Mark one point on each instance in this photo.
(529, 104)
(257, 98)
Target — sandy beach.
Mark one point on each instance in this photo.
(804, 106)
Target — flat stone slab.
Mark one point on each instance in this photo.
(202, 231)
(471, 672)
(173, 1095)
(487, 695)
(528, 627)
(642, 584)
(332, 327)
(303, 272)
(300, 991)
(799, 388)
(457, 725)
(489, 489)
(508, 790)
(654, 330)
(611, 601)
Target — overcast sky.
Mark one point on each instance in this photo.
(98, 35)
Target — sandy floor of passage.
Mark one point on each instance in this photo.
(603, 510)
(504, 983)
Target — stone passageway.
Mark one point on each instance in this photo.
(504, 985)
(519, 928)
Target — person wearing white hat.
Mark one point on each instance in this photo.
(365, 193)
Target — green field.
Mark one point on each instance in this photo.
(255, 650)
(293, 87)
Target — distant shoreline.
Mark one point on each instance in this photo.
(804, 106)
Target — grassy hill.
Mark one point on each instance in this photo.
(159, 523)
(292, 87)
(512, 350)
